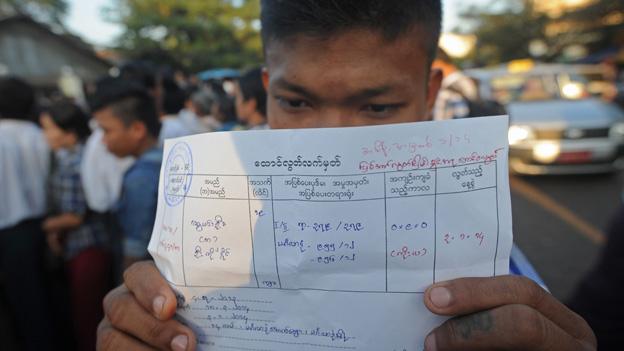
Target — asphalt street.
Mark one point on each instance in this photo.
(559, 223)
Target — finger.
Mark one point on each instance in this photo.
(511, 327)
(151, 290)
(109, 339)
(126, 315)
(469, 295)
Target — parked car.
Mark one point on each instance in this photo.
(557, 124)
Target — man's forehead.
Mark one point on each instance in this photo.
(363, 59)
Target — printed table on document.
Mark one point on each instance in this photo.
(387, 232)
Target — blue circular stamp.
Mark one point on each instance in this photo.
(178, 173)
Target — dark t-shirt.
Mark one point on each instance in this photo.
(599, 297)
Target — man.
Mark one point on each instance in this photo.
(353, 63)
(251, 100)
(127, 115)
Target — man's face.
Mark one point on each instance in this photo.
(55, 136)
(243, 108)
(353, 79)
(120, 140)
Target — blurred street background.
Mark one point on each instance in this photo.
(556, 66)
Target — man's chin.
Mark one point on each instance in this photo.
(119, 154)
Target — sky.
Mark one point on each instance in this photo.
(85, 19)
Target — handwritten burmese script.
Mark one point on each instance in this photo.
(326, 239)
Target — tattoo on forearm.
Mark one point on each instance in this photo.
(478, 322)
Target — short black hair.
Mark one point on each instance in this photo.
(226, 108)
(252, 88)
(173, 97)
(129, 101)
(283, 19)
(70, 118)
(143, 72)
(17, 99)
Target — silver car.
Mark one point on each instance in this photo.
(556, 125)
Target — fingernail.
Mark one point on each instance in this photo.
(159, 304)
(440, 296)
(179, 343)
(430, 343)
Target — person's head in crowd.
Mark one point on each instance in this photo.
(142, 72)
(64, 125)
(173, 97)
(444, 63)
(201, 102)
(251, 98)
(127, 114)
(224, 109)
(17, 99)
(350, 62)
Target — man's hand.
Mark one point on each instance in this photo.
(503, 313)
(55, 243)
(62, 223)
(138, 315)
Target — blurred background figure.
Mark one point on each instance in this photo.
(199, 104)
(251, 100)
(224, 111)
(71, 231)
(24, 167)
(127, 114)
(456, 90)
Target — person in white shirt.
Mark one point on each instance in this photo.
(102, 173)
(456, 91)
(24, 167)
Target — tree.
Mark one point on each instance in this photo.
(49, 11)
(506, 33)
(193, 34)
(597, 26)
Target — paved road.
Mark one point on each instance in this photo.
(559, 223)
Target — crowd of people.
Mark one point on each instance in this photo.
(80, 187)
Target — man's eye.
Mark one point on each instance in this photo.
(292, 103)
(381, 109)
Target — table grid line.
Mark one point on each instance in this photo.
(497, 219)
(435, 225)
(279, 280)
(386, 227)
(355, 200)
(251, 234)
(385, 198)
(337, 175)
(183, 267)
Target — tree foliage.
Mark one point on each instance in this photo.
(50, 11)
(192, 34)
(505, 34)
(505, 29)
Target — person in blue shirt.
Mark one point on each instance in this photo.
(355, 63)
(128, 116)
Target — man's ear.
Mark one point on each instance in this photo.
(433, 87)
(265, 78)
(253, 104)
(138, 130)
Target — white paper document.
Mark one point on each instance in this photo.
(326, 239)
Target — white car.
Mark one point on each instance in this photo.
(556, 125)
